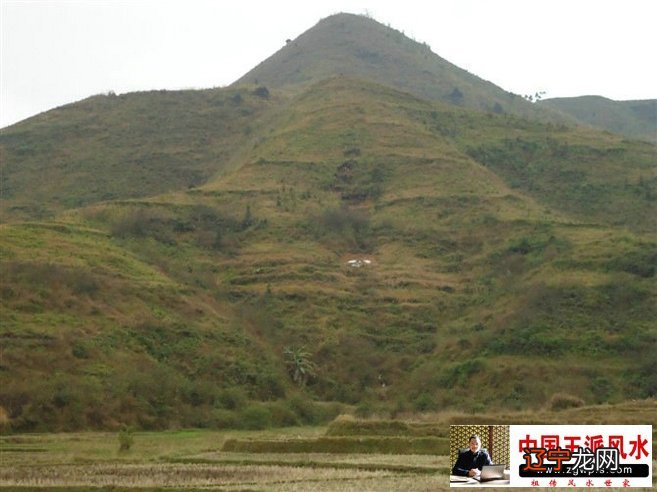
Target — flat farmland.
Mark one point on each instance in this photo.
(194, 460)
(347, 455)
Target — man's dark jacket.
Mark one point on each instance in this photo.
(468, 460)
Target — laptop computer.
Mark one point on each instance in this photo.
(491, 472)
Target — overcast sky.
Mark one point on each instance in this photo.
(55, 52)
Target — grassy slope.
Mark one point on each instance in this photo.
(460, 255)
(636, 119)
(590, 175)
(111, 147)
(94, 334)
(353, 45)
(487, 267)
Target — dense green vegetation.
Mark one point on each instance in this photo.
(511, 262)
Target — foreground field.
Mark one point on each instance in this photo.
(227, 477)
(192, 459)
(198, 459)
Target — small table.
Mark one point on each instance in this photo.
(456, 481)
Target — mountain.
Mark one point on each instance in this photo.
(635, 119)
(110, 147)
(503, 260)
(357, 46)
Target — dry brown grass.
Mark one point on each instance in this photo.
(629, 412)
(280, 477)
(369, 461)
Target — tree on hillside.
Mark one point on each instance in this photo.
(262, 92)
(456, 96)
(247, 221)
(299, 365)
(536, 97)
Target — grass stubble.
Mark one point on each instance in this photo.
(193, 460)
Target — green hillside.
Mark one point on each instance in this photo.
(357, 46)
(636, 119)
(510, 263)
(110, 147)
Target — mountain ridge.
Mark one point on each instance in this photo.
(633, 118)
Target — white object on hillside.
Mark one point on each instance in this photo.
(357, 263)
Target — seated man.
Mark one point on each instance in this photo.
(469, 462)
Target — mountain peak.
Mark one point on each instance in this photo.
(359, 46)
(346, 16)
(347, 19)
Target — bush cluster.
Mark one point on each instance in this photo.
(347, 226)
(199, 224)
(562, 401)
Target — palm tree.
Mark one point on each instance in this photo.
(299, 365)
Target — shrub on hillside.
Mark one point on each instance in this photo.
(77, 280)
(262, 92)
(365, 409)
(142, 222)
(224, 419)
(562, 401)
(327, 411)
(313, 413)
(346, 225)
(424, 402)
(198, 392)
(456, 96)
(642, 380)
(5, 421)
(80, 350)
(232, 398)
(255, 417)
(304, 409)
(282, 415)
(640, 263)
(459, 373)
